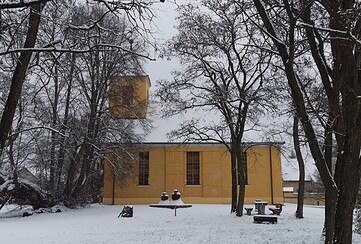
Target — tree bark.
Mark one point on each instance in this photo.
(87, 156)
(54, 135)
(71, 176)
(330, 200)
(242, 183)
(234, 182)
(19, 75)
(64, 126)
(301, 168)
(348, 189)
(346, 66)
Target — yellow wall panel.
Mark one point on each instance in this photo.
(167, 171)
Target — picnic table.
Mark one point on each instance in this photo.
(260, 206)
(171, 206)
(175, 203)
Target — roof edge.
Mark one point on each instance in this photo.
(177, 144)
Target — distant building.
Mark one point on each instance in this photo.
(311, 197)
(201, 172)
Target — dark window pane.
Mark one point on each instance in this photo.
(193, 168)
(143, 168)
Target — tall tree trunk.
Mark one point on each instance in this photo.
(71, 175)
(88, 153)
(54, 136)
(19, 74)
(242, 173)
(301, 168)
(242, 183)
(85, 162)
(234, 182)
(330, 200)
(64, 126)
(346, 65)
(348, 184)
(330, 211)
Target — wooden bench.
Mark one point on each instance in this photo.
(248, 210)
(265, 218)
(277, 210)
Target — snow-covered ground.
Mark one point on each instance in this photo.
(199, 224)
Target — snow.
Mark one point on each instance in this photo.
(7, 185)
(4, 186)
(199, 224)
(11, 187)
(176, 202)
(290, 170)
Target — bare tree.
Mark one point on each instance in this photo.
(301, 167)
(222, 77)
(100, 66)
(135, 11)
(54, 63)
(80, 82)
(333, 42)
(19, 73)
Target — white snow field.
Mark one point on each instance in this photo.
(198, 224)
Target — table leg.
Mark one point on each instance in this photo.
(261, 209)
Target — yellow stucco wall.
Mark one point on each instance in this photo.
(167, 171)
(139, 104)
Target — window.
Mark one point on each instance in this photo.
(127, 95)
(143, 168)
(193, 168)
(244, 161)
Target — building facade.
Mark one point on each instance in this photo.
(200, 172)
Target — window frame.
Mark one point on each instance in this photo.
(143, 169)
(193, 168)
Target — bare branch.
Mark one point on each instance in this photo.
(71, 50)
(11, 4)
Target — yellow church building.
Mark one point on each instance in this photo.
(201, 172)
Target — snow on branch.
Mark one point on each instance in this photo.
(70, 50)
(346, 34)
(38, 127)
(124, 5)
(7, 4)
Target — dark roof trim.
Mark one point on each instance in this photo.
(204, 144)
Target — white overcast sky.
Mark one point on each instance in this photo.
(161, 69)
(164, 28)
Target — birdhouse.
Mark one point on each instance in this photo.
(128, 97)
